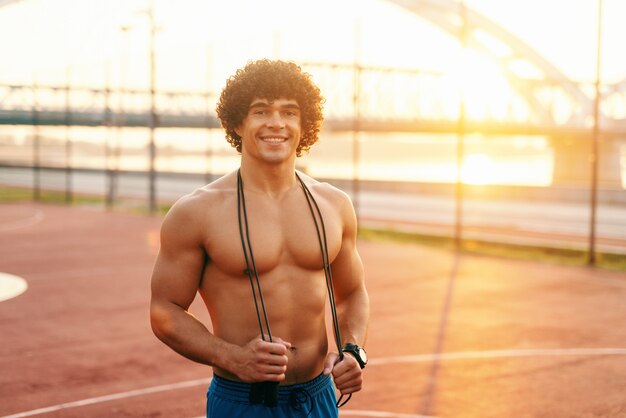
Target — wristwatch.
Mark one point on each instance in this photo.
(357, 352)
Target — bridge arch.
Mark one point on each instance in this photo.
(481, 31)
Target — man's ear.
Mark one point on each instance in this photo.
(238, 131)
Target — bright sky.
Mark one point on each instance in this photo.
(200, 43)
(203, 40)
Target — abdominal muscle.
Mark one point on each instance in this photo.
(295, 303)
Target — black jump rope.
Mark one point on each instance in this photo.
(266, 393)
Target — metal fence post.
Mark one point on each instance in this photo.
(68, 141)
(595, 144)
(36, 145)
(459, 196)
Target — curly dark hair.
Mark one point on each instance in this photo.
(271, 80)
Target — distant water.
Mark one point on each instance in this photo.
(519, 160)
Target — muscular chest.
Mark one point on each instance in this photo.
(280, 233)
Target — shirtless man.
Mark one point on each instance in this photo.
(271, 112)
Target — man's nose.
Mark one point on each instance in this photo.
(275, 120)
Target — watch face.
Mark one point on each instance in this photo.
(363, 355)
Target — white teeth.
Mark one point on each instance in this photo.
(274, 139)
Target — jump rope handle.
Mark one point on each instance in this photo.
(265, 393)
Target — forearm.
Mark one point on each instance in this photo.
(353, 315)
(183, 333)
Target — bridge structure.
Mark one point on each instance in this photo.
(375, 99)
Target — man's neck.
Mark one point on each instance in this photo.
(271, 179)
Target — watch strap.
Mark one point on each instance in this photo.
(355, 350)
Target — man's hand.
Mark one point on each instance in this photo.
(347, 373)
(262, 361)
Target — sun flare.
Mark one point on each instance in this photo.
(477, 169)
(482, 85)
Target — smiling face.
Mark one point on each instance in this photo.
(271, 130)
(270, 80)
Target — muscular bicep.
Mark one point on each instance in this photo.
(179, 265)
(349, 283)
(347, 267)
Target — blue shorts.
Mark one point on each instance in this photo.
(313, 399)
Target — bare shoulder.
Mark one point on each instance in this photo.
(191, 212)
(336, 197)
(326, 190)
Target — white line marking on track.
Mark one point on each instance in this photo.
(11, 286)
(120, 395)
(22, 223)
(419, 358)
(370, 413)
(381, 414)
(465, 355)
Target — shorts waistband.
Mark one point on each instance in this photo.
(240, 392)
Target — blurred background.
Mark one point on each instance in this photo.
(476, 121)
